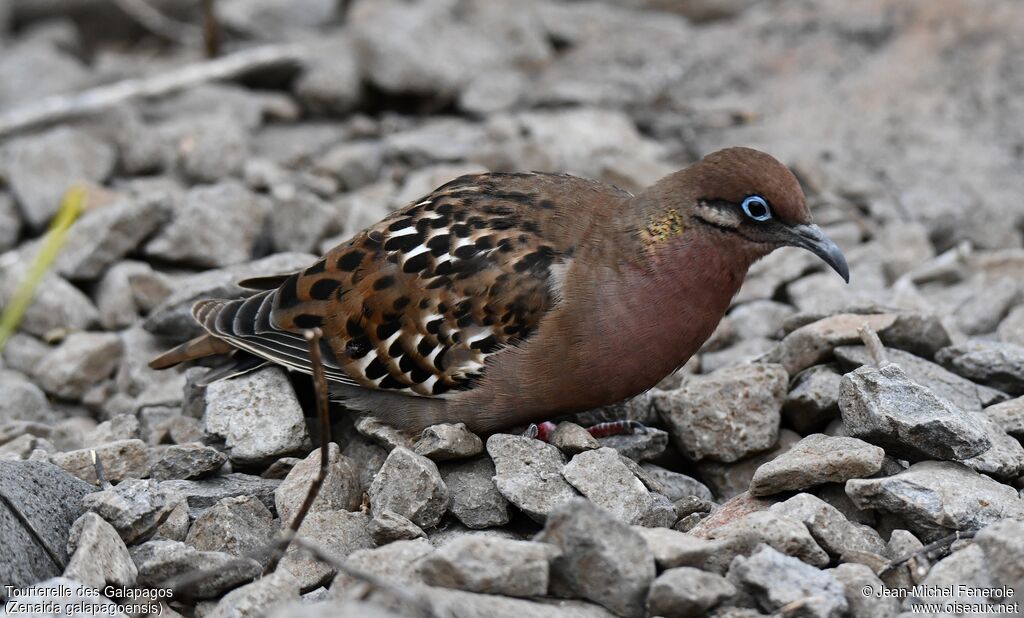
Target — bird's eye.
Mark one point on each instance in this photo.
(756, 207)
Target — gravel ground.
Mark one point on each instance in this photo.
(785, 467)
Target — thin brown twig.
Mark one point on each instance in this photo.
(97, 464)
(874, 345)
(929, 552)
(322, 408)
(373, 580)
(211, 30)
(63, 107)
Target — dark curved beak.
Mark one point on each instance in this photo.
(811, 237)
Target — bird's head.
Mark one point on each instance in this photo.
(746, 198)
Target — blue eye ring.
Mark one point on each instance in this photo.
(756, 207)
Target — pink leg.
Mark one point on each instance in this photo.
(542, 431)
(617, 428)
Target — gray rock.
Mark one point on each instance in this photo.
(1009, 415)
(162, 563)
(474, 604)
(257, 415)
(397, 562)
(259, 597)
(937, 497)
(813, 343)
(339, 491)
(98, 555)
(10, 223)
(338, 533)
(1011, 329)
(355, 164)
(187, 461)
(672, 548)
(208, 147)
(883, 406)
(494, 91)
(22, 400)
(120, 427)
(685, 592)
(299, 220)
(214, 226)
(391, 44)
(639, 408)
(241, 526)
(330, 82)
(47, 502)
(700, 415)
(676, 486)
(776, 580)
(442, 139)
(997, 364)
(638, 446)
(81, 361)
(384, 434)
(585, 141)
(56, 306)
(22, 352)
(614, 569)
(177, 522)
(571, 438)
(760, 318)
(267, 19)
(133, 507)
(475, 499)
(728, 480)
(172, 318)
(865, 594)
(960, 392)
(786, 534)
(135, 379)
(965, 567)
(528, 473)
(815, 460)
(829, 527)
(122, 459)
(813, 401)
(389, 526)
(604, 479)
(1005, 459)
(367, 456)
(742, 352)
(410, 485)
(204, 493)
(41, 167)
(104, 235)
(115, 297)
(1003, 546)
(490, 565)
(449, 441)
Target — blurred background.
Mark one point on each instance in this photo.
(211, 133)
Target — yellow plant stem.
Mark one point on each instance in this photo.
(70, 208)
